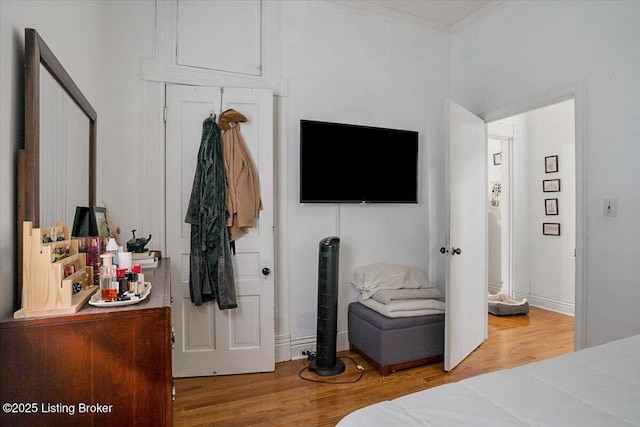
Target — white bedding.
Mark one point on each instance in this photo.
(405, 308)
(598, 386)
(386, 296)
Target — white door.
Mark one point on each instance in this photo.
(466, 246)
(210, 341)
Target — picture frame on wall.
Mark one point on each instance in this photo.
(551, 229)
(551, 185)
(551, 206)
(551, 164)
(497, 158)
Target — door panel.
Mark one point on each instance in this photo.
(210, 341)
(199, 28)
(467, 277)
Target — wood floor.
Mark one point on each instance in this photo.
(282, 398)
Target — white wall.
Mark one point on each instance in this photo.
(73, 32)
(528, 48)
(130, 29)
(347, 67)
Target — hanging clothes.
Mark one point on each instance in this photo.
(243, 185)
(211, 269)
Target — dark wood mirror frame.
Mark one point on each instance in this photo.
(28, 204)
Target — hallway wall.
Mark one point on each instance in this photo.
(551, 131)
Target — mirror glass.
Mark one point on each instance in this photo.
(57, 166)
(64, 154)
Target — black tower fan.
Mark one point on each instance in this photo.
(326, 363)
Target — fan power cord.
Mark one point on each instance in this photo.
(358, 366)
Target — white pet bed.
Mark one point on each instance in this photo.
(502, 305)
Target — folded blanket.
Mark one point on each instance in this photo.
(385, 296)
(405, 308)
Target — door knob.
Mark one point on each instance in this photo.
(443, 250)
(456, 251)
(266, 271)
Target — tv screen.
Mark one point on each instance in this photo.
(344, 163)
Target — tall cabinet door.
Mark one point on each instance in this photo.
(210, 341)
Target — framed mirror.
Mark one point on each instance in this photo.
(57, 167)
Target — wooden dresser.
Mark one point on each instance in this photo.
(99, 366)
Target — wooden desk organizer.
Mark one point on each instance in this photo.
(47, 286)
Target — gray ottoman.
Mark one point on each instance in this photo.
(391, 344)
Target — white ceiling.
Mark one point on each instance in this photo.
(445, 14)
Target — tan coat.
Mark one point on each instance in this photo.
(243, 186)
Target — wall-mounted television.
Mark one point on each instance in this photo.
(346, 163)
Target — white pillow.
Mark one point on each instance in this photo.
(373, 277)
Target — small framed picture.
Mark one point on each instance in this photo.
(551, 164)
(497, 158)
(551, 206)
(550, 185)
(551, 229)
(101, 221)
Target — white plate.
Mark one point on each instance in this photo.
(96, 299)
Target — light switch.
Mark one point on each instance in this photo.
(610, 207)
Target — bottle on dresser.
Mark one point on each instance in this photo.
(108, 278)
(140, 285)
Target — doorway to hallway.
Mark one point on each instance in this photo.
(531, 190)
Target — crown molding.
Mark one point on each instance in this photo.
(477, 15)
(375, 10)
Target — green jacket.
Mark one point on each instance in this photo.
(211, 269)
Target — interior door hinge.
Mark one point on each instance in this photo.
(164, 114)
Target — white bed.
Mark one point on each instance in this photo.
(598, 386)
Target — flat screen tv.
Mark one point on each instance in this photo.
(345, 163)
